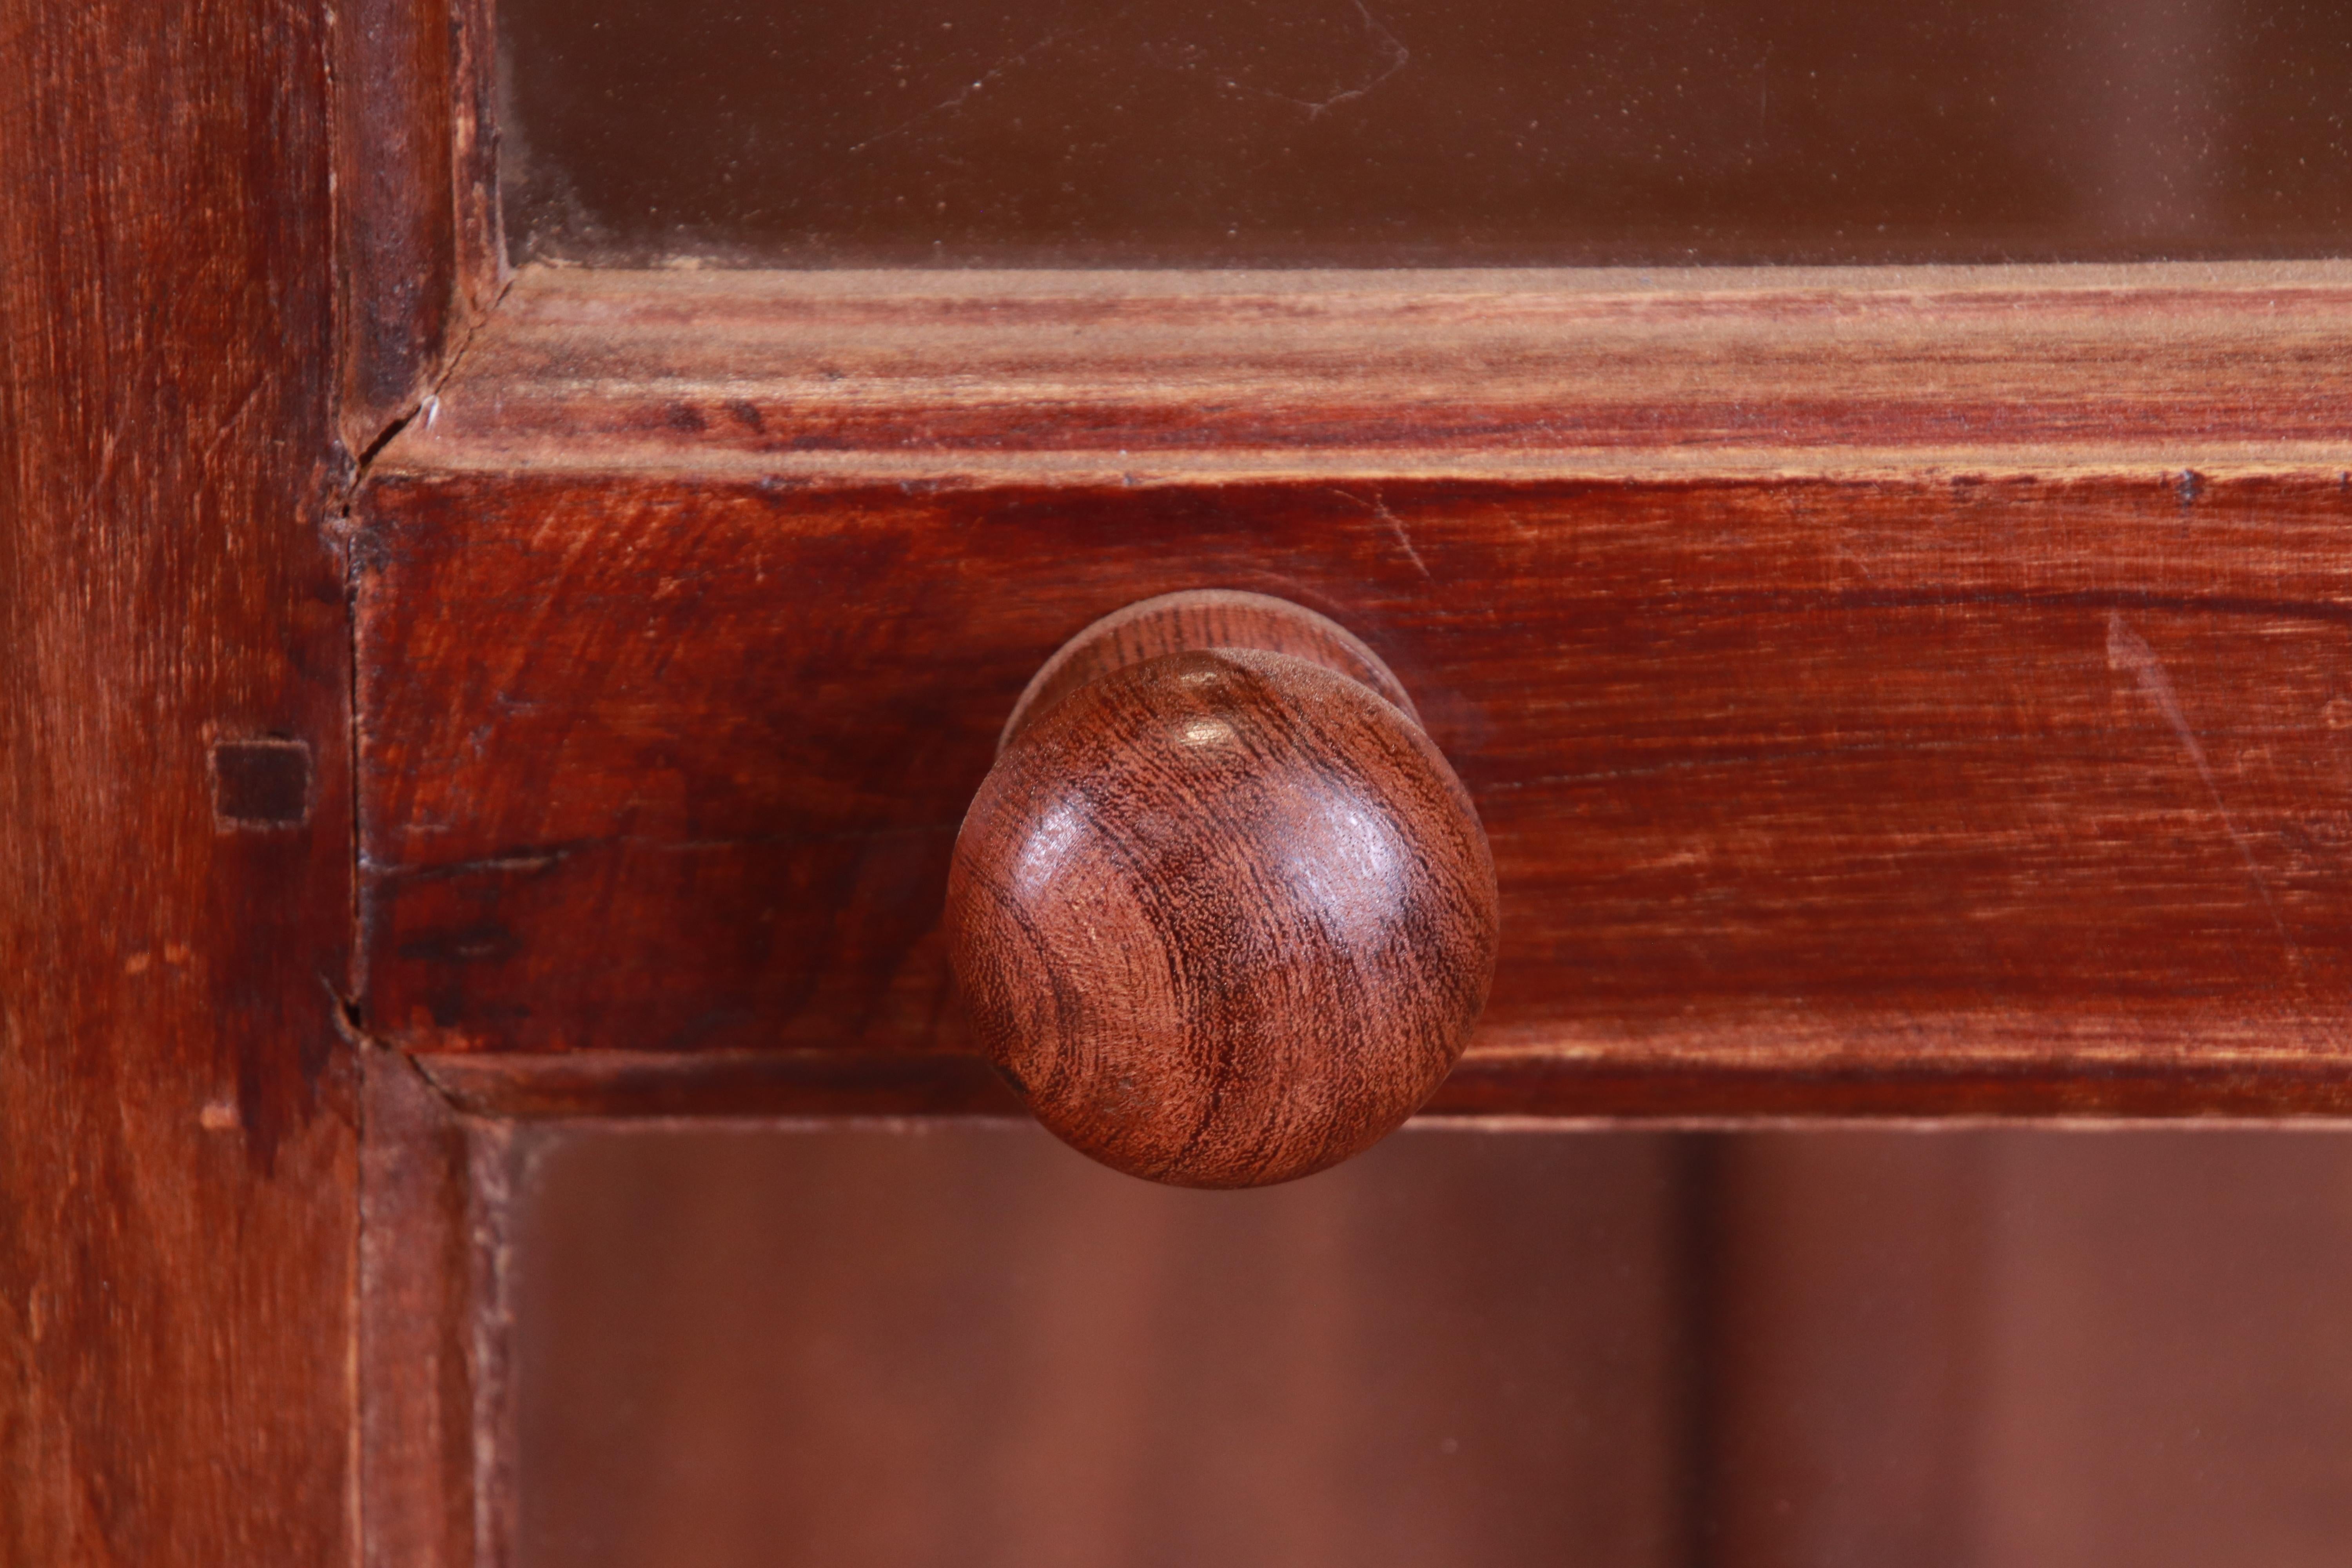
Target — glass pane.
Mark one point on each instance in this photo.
(1417, 131)
(971, 1346)
(968, 1346)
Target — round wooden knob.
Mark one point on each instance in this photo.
(1220, 913)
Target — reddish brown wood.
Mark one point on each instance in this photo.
(1968, 740)
(437, 1395)
(1968, 1069)
(497, 1159)
(178, 1149)
(419, 258)
(1134, 377)
(1222, 915)
(795, 1085)
(419, 1355)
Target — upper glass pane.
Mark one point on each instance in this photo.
(1381, 132)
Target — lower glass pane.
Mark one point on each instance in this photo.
(967, 1345)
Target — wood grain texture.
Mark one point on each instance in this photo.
(495, 1162)
(1959, 727)
(769, 1085)
(419, 255)
(1971, 1070)
(177, 1142)
(418, 1356)
(1705, 372)
(1222, 915)
(1199, 618)
(434, 1370)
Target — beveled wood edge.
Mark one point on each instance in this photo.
(2312, 461)
(421, 1353)
(1231, 282)
(433, 1350)
(1723, 1089)
(420, 255)
(1081, 376)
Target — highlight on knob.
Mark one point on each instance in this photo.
(1222, 912)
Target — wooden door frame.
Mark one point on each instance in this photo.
(179, 1084)
(251, 1259)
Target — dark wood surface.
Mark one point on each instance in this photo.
(1151, 377)
(1906, 692)
(1221, 914)
(2072, 562)
(426, 1348)
(178, 1147)
(420, 255)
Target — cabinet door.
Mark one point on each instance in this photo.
(454, 704)
(1888, 624)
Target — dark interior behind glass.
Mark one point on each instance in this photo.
(1379, 132)
(970, 1347)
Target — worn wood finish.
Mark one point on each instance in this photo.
(420, 1357)
(433, 1369)
(1222, 915)
(1934, 701)
(771, 1085)
(1142, 376)
(419, 255)
(177, 1140)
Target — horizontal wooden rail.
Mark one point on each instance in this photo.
(1494, 1085)
(1905, 692)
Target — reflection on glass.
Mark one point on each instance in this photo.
(974, 1346)
(1414, 132)
(971, 1346)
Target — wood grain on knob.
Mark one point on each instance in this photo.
(1221, 911)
